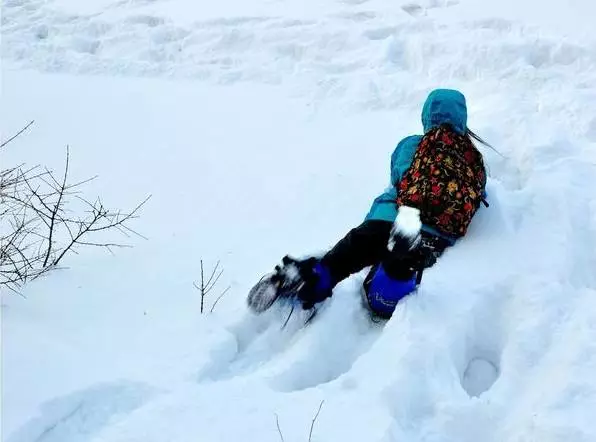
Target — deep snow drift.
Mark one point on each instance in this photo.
(265, 128)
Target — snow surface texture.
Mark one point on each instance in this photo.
(499, 343)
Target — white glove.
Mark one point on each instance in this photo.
(405, 233)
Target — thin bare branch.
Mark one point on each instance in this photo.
(218, 298)
(56, 209)
(93, 244)
(212, 274)
(4, 143)
(37, 195)
(134, 232)
(80, 183)
(281, 436)
(12, 286)
(210, 285)
(202, 288)
(312, 425)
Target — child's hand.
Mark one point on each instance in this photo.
(405, 233)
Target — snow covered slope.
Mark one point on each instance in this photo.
(263, 128)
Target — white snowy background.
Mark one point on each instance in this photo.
(265, 127)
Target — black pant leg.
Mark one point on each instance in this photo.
(363, 246)
(401, 264)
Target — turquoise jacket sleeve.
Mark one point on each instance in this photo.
(384, 207)
(402, 156)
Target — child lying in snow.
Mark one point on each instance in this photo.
(437, 184)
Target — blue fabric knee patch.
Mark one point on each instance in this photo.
(324, 281)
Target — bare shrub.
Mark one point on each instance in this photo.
(40, 224)
(206, 285)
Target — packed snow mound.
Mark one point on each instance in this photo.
(499, 342)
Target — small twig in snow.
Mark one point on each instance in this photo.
(281, 436)
(218, 298)
(205, 287)
(312, 425)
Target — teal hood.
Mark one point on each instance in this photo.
(445, 106)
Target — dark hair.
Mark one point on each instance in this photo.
(473, 137)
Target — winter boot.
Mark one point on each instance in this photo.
(307, 281)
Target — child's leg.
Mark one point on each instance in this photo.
(401, 266)
(363, 246)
